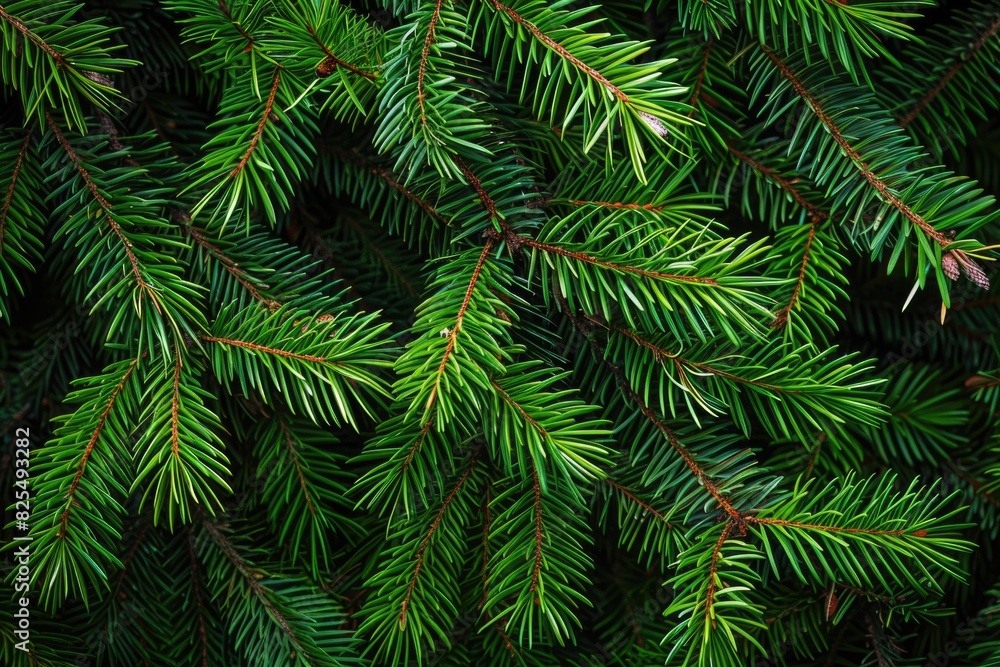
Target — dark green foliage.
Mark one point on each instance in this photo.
(485, 332)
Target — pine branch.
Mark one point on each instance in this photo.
(68, 61)
(612, 94)
(974, 48)
(341, 353)
(881, 526)
(21, 220)
(885, 149)
(417, 589)
(288, 617)
(180, 462)
(80, 481)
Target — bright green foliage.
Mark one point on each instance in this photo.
(487, 332)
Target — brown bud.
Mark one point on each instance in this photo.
(950, 266)
(326, 68)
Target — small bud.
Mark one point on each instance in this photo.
(326, 68)
(950, 266)
(972, 270)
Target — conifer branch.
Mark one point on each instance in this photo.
(849, 150)
(249, 345)
(251, 43)
(700, 80)
(251, 577)
(590, 259)
(10, 190)
(781, 318)
(831, 529)
(75, 159)
(415, 447)
(713, 576)
(89, 448)
(559, 49)
(175, 409)
(387, 261)
(670, 205)
(485, 511)
(978, 487)
(422, 72)
(484, 198)
(231, 267)
(332, 62)
(264, 119)
(293, 453)
(940, 84)
(419, 557)
(361, 162)
(661, 354)
(815, 213)
(629, 206)
(539, 536)
(619, 374)
(18, 25)
(130, 555)
(137, 272)
(520, 410)
(507, 643)
(646, 507)
(453, 333)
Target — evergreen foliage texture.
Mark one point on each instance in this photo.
(501, 332)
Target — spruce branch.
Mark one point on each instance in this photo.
(179, 458)
(301, 477)
(896, 540)
(823, 22)
(707, 270)
(81, 480)
(935, 248)
(502, 331)
(611, 93)
(936, 89)
(199, 602)
(341, 353)
(21, 219)
(410, 610)
(461, 345)
(527, 413)
(71, 59)
(230, 266)
(622, 380)
(288, 616)
(853, 154)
